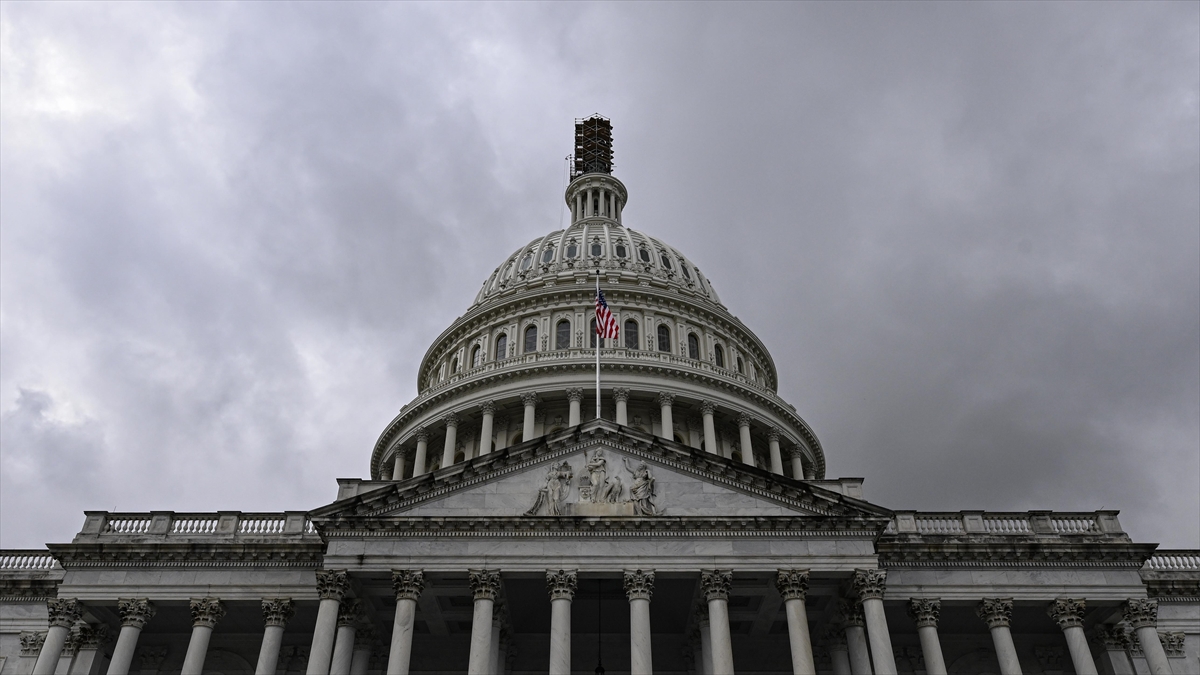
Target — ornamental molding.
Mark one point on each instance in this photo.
(1173, 590)
(627, 527)
(1005, 551)
(273, 555)
(28, 590)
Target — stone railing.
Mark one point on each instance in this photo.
(1024, 523)
(196, 525)
(1186, 560)
(25, 560)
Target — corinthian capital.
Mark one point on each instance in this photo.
(665, 398)
(277, 611)
(488, 407)
(206, 611)
(529, 398)
(349, 612)
(332, 584)
(744, 419)
(450, 419)
(31, 642)
(849, 613)
(995, 612)
(620, 394)
(773, 434)
(834, 639)
(135, 611)
(64, 611)
(92, 636)
(707, 407)
(715, 584)
(639, 584)
(422, 435)
(869, 583)
(1067, 612)
(408, 584)
(1112, 636)
(561, 584)
(925, 611)
(1140, 613)
(792, 584)
(575, 395)
(485, 584)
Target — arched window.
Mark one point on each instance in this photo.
(502, 346)
(454, 365)
(631, 334)
(562, 335)
(719, 356)
(693, 346)
(593, 331)
(684, 268)
(741, 366)
(476, 357)
(530, 339)
(664, 338)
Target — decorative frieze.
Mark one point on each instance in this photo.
(206, 611)
(869, 583)
(485, 584)
(715, 584)
(31, 642)
(1140, 613)
(561, 584)
(135, 612)
(64, 611)
(639, 584)
(350, 612)
(925, 611)
(792, 584)
(332, 584)
(408, 584)
(995, 612)
(1067, 612)
(278, 611)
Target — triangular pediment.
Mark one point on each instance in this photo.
(598, 470)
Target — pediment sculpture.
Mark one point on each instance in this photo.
(600, 493)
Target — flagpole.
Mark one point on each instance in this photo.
(598, 340)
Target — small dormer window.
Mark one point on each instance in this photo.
(620, 249)
(547, 256)
(666, 260)
(572, 250)
(684, 268)
(526, 261)
(597, 249)
(644, 255)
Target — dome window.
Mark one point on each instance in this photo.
(631, 334)
(719, 356)
(501, 346)
(644, 255)
(693, 346)
(454, 365)
(476, 357)
(547, 256)
(597, 249)
(684, 268)
(526, 261)
(562, 335)
(664, 338)
(666, 260)
(620, 249)
(572, 250)
(741, 366)
(531, 339)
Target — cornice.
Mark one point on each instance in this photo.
(1173, 590)
(999, 551)
(305, 555)
(28, 590)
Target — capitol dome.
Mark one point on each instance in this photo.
(520, 363)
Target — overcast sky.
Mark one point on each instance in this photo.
(968, 233)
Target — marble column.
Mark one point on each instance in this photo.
(665, 401)
(839, 652)
(926, 611)
(398, 464)
(575, 399)
(331, 588)
(501, 425)
(793, 586)
(714, 585)
(422, 437)
(408, 585)
(64, 612)
(135, 612)
(70, 650)
(488, 408)
(561, 584)
(1068, 613)
(850, 616)
(90, 639)
(530, 400)
(451, 422)
(206, 612)
(1115, 643)
(776, 455)
(997, 613)
(276, 613)
(1142, 617)
(705, 639)
(747, 447)
(707, 408)
(364, 644)
(639, 586)
(497, 631)
(349, 615)
(621, 396)
(869, 583)
(485, 586)
(796, 455)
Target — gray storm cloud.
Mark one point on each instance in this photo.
(969, 233)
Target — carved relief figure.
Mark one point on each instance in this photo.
(641, 491)
(558, 483)
(605, 490)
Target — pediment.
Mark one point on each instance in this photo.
(599, 470)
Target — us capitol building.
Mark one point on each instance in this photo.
(689, 527)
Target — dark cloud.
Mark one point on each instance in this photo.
(968, 233)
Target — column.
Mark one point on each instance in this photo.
(530, 400)
(1142, 617)
(91, 638)
(135, 612)
(70, 650)
(206, 612)
(926, 611)
(276, 613)
(869, 584)
(707, 408)
(451, 421)
(997, 613)
(331, 588)
(561, 584)
(488, 408)
(839, 653)
(364, 643)
(398, 464)
(422, 448)
(408, 585)
(852, 621)
(64, 612)
(704, 625)
(349, 614)
(1115, 641)
(575, 396)
(497, 630)
(639, 586)
(621, 396)
(502, 425)
(743, 421)
(665, 401)
(796, 455)
(485, 586)
(1068, 613)
(793, 586)
(776, 456)
(715, 584)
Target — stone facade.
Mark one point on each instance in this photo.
(509, 524)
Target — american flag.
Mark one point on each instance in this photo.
(606, 324)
